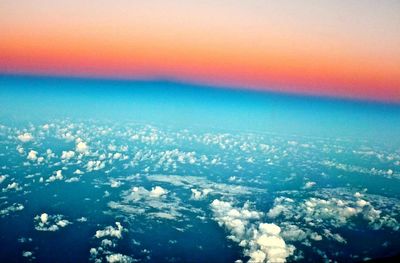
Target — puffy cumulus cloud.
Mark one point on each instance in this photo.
(25, 137)
(115, 183)
(270, 243)
(11, 209)
(12, 186)
(95, 165)
(20, 149)
(332, 210)
(57, 176)
(199, 194)
(79, 172)
(2, 178)
(72, 180)
(158, 191)
(261, 241)
(82, 219)
(360, 169)
(44, 217)
(154, 203)
(67, 136)
(119, 258)
(107, 243)
(194, 182)
(82, 147)
(309, 185)
(66, 155)
(117, 156)
(51, 223)
(27, 254)
(32, 155)
(50, 154)
(110, 231)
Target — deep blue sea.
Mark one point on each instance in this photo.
(157, 171)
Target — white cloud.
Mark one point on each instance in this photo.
(81, 147)
(117, 155)
(72, 180)
(110, 231)
(2, 178)
(32, 155)
(115, 183)
(57, 176)
(315, 217)
(50, 223)
(25, 137)
(308, 185)
(82, 219)
(44, 217)
(94, 165)
(27, 254)
(199, 194)
(63, 223)
(67, 155)
(13, 186)
(261, 241)
(77, 171)
(190, 182)
(11, 209)
(119, 258)
(20, 149)
(158, 191)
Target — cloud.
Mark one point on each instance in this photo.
(57, 176)
(312, 218)
(82, 219)
(44, 217)
(115, 183)
(20, 149)
(119, 258)
(27, 254)
(13, 186)
(110, 231)
(158, 191)
(194, 182)
(81, 147)
(95, 165)
(66, 155)
(2, 178)
(32, 155)
(25, 137)
(72, 180)
(117, 155)
(77, 171)
(50, 223)
(11, 209)
(199, 194)
(308, 185)
(261, 241)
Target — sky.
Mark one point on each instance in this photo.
(326, 48)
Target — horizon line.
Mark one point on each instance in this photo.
(204, 85)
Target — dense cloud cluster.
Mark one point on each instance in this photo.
(45, 222)
(261, 241)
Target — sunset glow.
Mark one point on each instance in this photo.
(334, 48)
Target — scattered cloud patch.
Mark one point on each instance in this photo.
(111, 231)
(25, 137)
(261, 241)
(50, 223)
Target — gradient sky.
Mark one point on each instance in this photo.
(338, 48)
